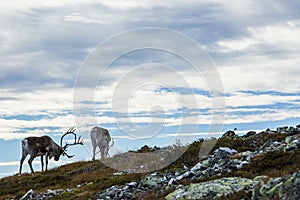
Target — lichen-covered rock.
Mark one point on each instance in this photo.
(260, 179)
(278, 188)
(292, 143)
(269, 146)
(152, 181)
(211, 189)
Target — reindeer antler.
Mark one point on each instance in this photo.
(76, 141)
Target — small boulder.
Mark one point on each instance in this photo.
(229, 134)
(132, 185)
(269, 146)
(245, 156)
(151, 181)
(250, 134)
(29, 195)
(222, 155)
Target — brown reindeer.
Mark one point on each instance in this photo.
(40, 146)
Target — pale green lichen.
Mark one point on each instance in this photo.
(211, 189)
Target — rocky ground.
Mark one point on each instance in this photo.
(240, 167)
(222, 160)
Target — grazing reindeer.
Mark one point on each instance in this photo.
(40, 146)
(100, 138)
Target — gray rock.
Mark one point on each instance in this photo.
(118, 173)
(171, 181)
(242, 164)
(168, 175)
(249, 134)
(69, 189)
(245, 156)
(292, 144)
(211, 189)
(187, 174)
(197, 167)
(51, 193)
(267, 147)
(151, 181)
(288, 130)
(228, 150)
(132, 185)
(229, 134)
(29, 195)
(277, 188)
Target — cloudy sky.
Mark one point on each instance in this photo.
(254, 45)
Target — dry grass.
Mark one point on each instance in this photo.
(69, 176)
(272, 164)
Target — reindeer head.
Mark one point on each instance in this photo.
(63, 149)
(56, 154)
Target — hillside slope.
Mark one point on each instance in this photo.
(254, 160)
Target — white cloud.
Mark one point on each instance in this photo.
(14, 136)
(275, 115)
(75, 17)
(281, 36)
(18, 5)
(44, 43)
(242, 99)
(148, 104)
(261, 73)
(38, 102)
(11, 163)
(266, 59)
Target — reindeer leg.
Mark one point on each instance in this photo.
(106, 151)
(21, 161)
(94, 151)
(42, 162)
(47, 155)
(30, 163)
(102, 150)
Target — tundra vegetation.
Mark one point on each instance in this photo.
(277, 155)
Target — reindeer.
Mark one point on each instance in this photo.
(40, 146)
(100, 138)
